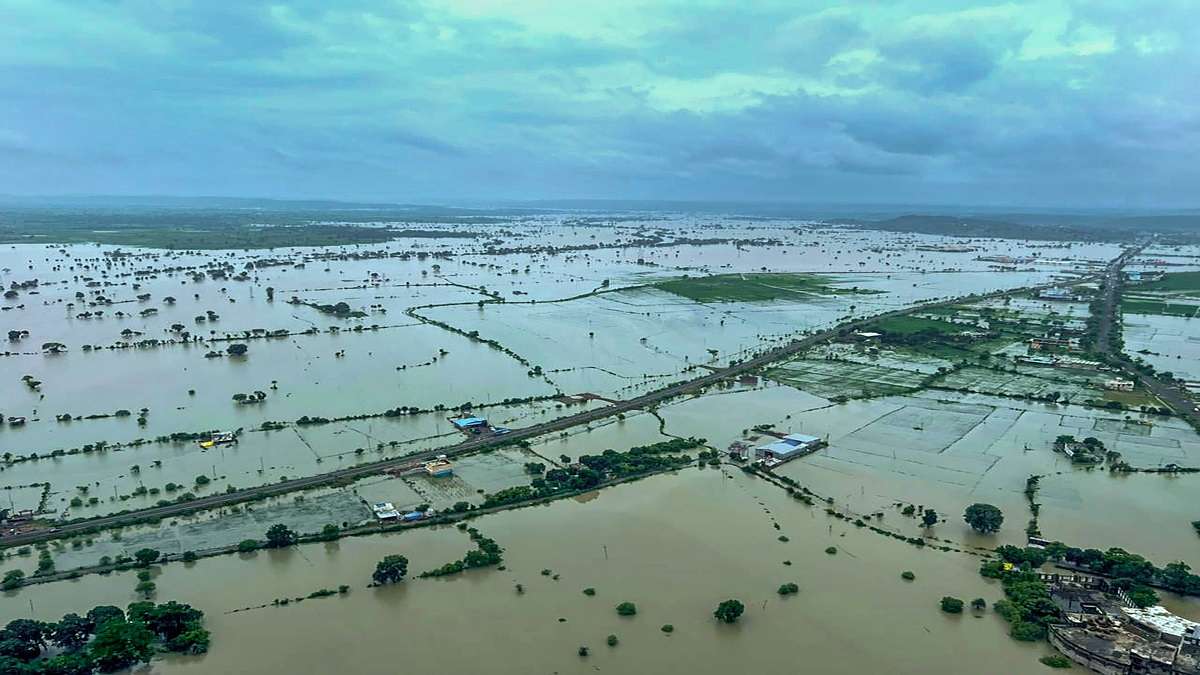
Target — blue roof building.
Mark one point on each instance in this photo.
(788, 446)
(469, 423)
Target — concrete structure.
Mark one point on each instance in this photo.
(1062, 294)
(788, 447)
(1059, 343)
(385, 511)
(439, 467)
(1118, 384)
(466, 423)
(1105, 636)
(740, 451)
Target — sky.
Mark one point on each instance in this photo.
(1047, 102)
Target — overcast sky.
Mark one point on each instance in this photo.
(1046, 102)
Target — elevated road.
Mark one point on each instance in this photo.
(1172, 393)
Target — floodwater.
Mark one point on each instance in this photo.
(674, 545)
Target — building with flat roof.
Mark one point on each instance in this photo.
(1117, 384)
(469, 423)
(385, 511)
(792, 445)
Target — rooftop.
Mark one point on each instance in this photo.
(1161, 619)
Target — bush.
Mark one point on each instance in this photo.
(832, 550)
(952, 605)
(1056, 661)
(626, 609)
(978, 604)
(1026, 631)
(667, 628)
(907, 575)
(611, 641)
(788, 589)
(589, 592)
(190, 556)
(247, 546)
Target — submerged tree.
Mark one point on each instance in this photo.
(729, 611)
(984, 518)
(390, 570)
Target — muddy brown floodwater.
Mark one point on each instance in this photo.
(675, 545)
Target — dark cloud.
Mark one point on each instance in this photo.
(402, 100)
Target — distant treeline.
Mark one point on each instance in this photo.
(1039, 228)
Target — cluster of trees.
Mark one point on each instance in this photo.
(1090, 450)
(1129, 570)
(485, 554)
(594, 469)
(106, 639)
(1027, 606)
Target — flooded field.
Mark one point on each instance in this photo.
(673, 545)
(123, 366)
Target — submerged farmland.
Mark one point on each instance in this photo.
(230, 385)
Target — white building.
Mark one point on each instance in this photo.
(1118, 385)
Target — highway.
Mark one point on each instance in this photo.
(1175, 396)
(475, 444)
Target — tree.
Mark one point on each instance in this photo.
(952, 605)
(121, 644)
(984, 518)
(23, 639)
(12, 579)
(390, 570)
(626, 609)
(70, 663)
(146, 556)
(729, 611)
(236, 349)
(280, 536)
(170, 619)
(929, 518)
(1143, 596)
(978, 604)
(72, 632)
(102, 614)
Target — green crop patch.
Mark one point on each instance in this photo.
(757, 287)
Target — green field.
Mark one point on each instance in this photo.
(907, 325)
(829, 378)
(1131, 306)
(756, 287)
(1176, 282)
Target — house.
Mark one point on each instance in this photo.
(1118, 384)
(439, 467)
(385, 511)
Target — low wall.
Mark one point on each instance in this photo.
(1092, 661)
